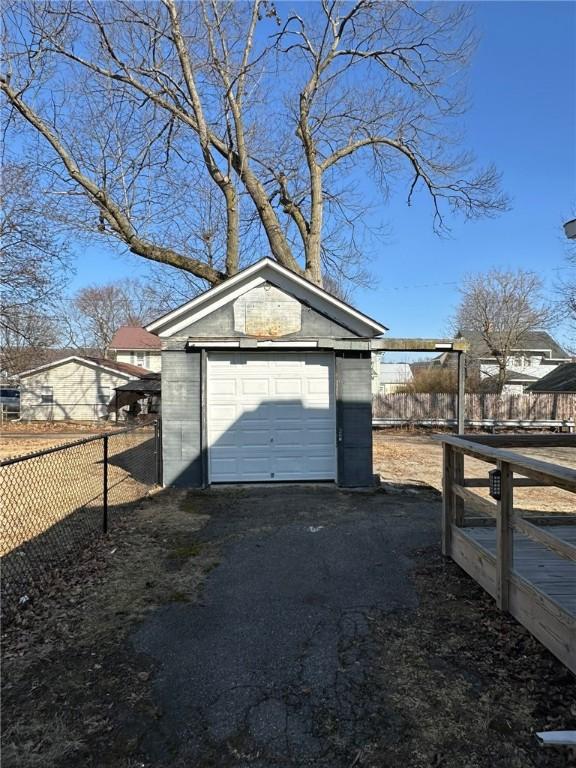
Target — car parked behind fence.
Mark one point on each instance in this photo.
(9, 402)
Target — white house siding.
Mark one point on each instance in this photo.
(393, 377)
(80, 392)
(152, 361)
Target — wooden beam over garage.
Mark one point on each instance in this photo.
(369, 345)
(419, 345)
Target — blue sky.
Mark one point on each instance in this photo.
(522, 118)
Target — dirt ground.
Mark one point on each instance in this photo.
(70, 688)
(12, 446)
(416, 459)
(19, 437)
(467, 684)
(46, 427)
(462, 678)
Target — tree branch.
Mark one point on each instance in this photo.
(113, 214)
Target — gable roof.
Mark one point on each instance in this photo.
(124, 369)
(561, 379)
(265, 271)
(130, 337)
(531, 341)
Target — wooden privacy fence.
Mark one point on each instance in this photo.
(442, 406)
(525, 560)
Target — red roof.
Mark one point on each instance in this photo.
(103, 362)
(134, 337)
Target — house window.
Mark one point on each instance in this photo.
(47, 395)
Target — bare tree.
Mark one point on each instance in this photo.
(34, 258)
(98, 311)
(497, 309)
(143, 106)
(566, 290)
(27, 341)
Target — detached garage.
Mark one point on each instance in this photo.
(266, 378)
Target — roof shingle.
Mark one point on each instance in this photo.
(134, 337)
(561, 379)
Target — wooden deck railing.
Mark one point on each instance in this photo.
(497, 573)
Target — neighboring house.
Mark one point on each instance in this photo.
(135, 346)
(562, 380)
(16, 359)
(266, 377)
(536, 355)
(75, 388)
(516, 381)
(393, 377)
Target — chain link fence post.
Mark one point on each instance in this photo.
(105, 486)
(158, 450)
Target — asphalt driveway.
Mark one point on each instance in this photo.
(273, 666)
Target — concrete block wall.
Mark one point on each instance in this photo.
(181, 419)
(354, 419)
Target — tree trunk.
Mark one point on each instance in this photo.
(314, 240)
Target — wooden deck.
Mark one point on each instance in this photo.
(552, 574)
(527, 564)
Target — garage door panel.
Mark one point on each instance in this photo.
(317, 386)
(255, 386)
(275, 421)
(288, 386)
(288, 437)
(289, 412)
(226, 387)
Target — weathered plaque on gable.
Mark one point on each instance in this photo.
(267, 312)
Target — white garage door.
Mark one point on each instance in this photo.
(271, 416)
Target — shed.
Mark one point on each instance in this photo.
(148, 388)
(74, 388)
(265, 378)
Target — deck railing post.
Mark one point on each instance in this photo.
(447, 498)
(452, 505)
(459, 480)
(504, 536)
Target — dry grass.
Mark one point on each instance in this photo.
(47, 427)
(11, 446)
(43, 491)
(417, 460)
(74, 692)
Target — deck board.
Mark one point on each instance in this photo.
(549, 572)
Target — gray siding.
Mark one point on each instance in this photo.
(181, 419)
(220, 324)
(354, 419)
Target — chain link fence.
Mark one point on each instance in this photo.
(54, 501)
